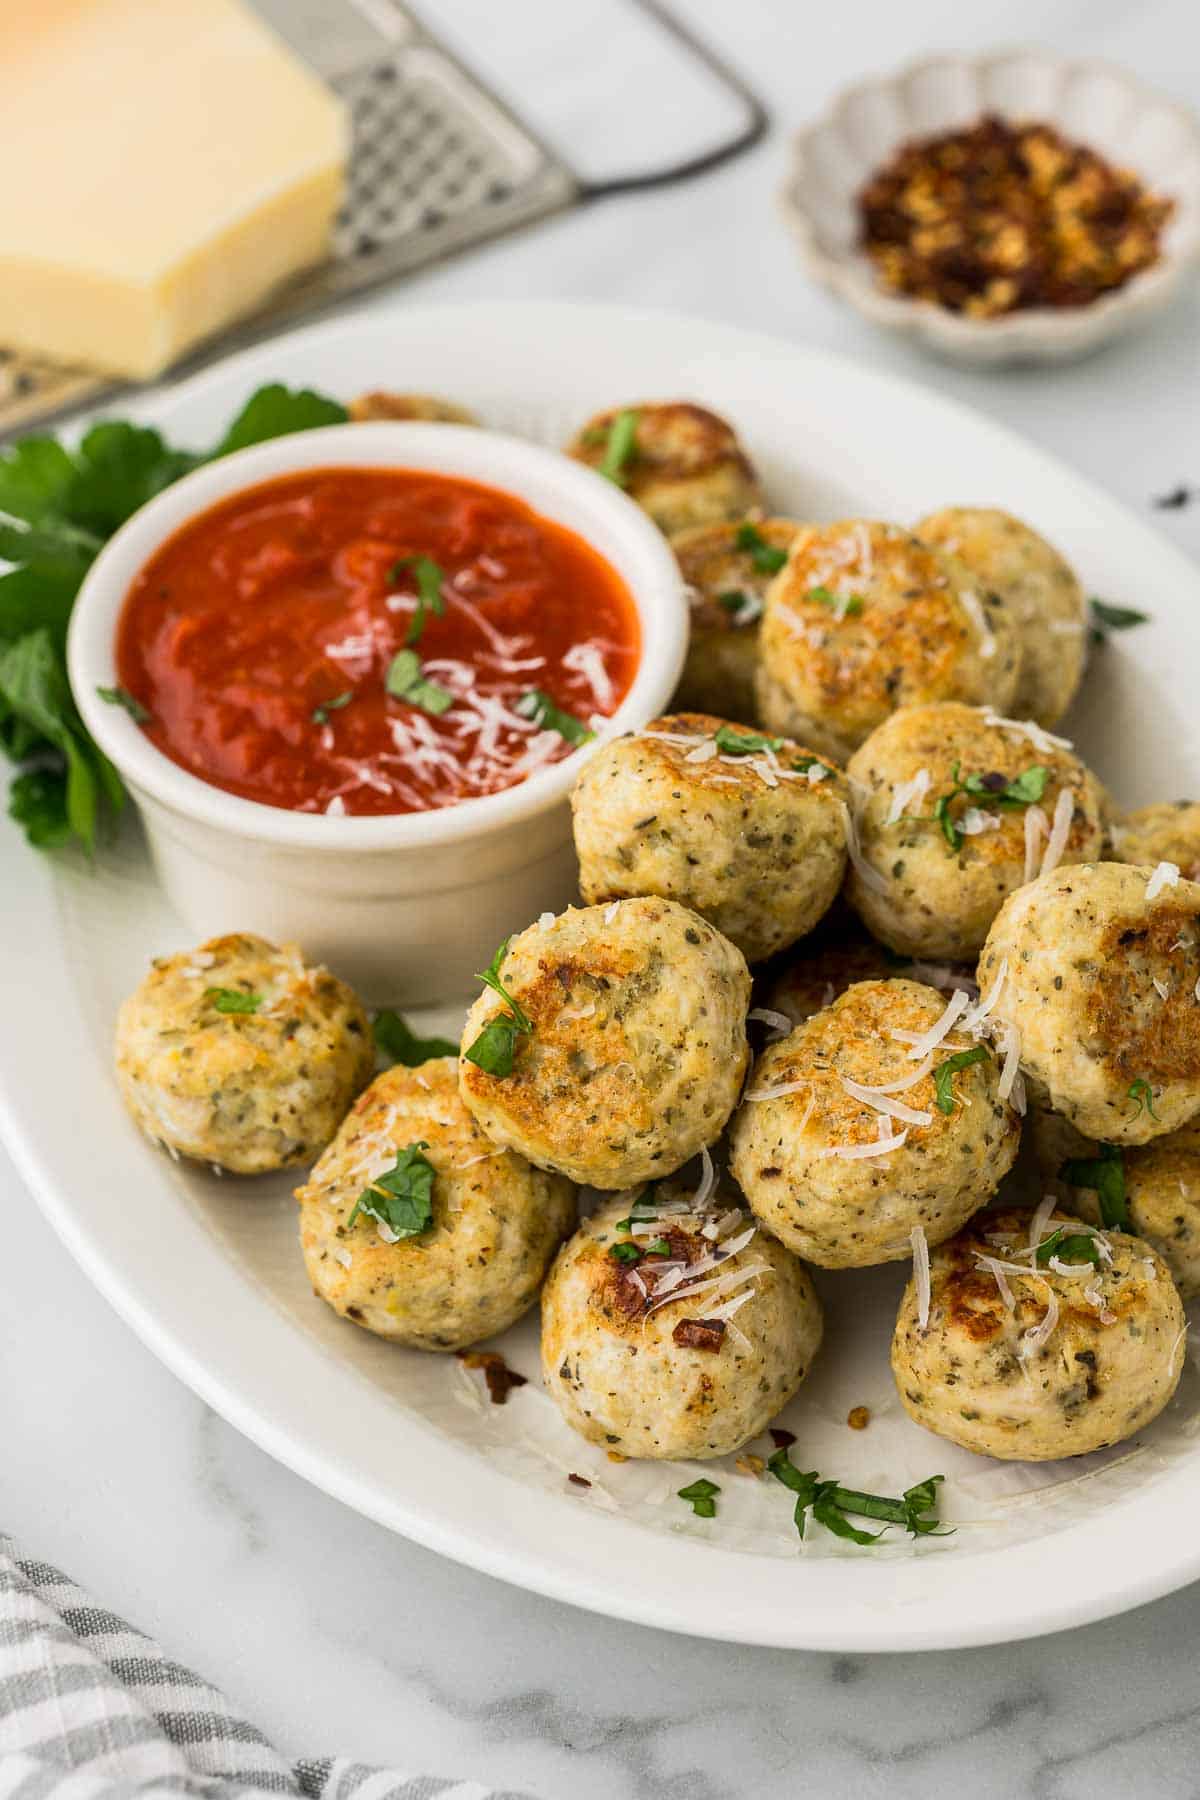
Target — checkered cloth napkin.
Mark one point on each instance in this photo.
(92, 1710)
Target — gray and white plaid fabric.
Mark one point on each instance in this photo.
(90, 1709)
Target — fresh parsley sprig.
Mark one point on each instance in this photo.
(1105, 1175)
(494, 1048)
(829, 1502)
(1068, 1247)
(429, 577)
(402, 1198)
(1025, 789)
(58, 507)
(541, 709)
(943, 1075)
(764, 556)
(1105, 618)
(621, 446)
(395, 1037)
(406, 681)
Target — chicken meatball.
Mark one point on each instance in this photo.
(728, 569)
(1166, 833)
(427, 408)
(242, 1055)
(956, 809)
(747, 830)
(850, 1136)
(864, 619)
(837, 955)
(621, 1040)
(641, 1348)
(1098, 968)
(681, 463)
(417, 1228)
(1041, 590)
(1033, 1366)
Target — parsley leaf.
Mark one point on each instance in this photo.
(1024, 789)
(494, 1048)
(621, 447)
(404, 681)
(626, 1252)
(119, 696)
(702, 1497)
(400, 1043)
(401, 1200)
(943, 1075)
(765, 557)
(276, 411)
(541, 709)
(1106, 1175)
(430, 599)
(37, 801)
(746, 608)
(845, 604)
(233, 1000)
(1142, 1095)
(731, 742)
(320, 714)
(1106, 618)
(1069, 1247)
(829, 1503)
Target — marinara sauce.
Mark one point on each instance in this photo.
(262, 637)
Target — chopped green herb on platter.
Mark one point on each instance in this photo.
(621, 446)
(232, 1000)
(1025, 789)
(765, 557)
(406, 681)
(943, 1075)
(58, 507)
(701, 1497)
(829, 1502)
(494, 1048)
(1068, 1247)
(1105, 1175)
(1106, 618)
(401, 1199)
(731, 742)
(395, 1037)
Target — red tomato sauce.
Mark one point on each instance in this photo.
(260, 638)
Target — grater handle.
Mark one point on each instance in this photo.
(749, 133)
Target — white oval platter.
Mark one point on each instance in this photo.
(208, 1271)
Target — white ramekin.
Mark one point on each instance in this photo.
(1095, 103)
(406, 907)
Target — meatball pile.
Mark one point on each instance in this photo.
(854, 920)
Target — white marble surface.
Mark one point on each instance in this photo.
(331, 1633)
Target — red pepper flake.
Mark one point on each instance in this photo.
(579, 1480)
(699, 1334)
(496, 1372)
(995, 218)
(782, 1438)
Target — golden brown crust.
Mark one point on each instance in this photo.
(379, 403)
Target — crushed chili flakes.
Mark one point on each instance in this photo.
(858, 1418)
(996, 217)
(579, 1480)
(699, 1334)
(499, 1377)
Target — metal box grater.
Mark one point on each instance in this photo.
(437, 163)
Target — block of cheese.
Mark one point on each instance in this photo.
(166, 164)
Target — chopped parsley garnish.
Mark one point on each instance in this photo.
(1106, 618)
(405, 682)
(765, 557)
(58, 507)
(119, 696)
(621, 446)
(541, 709)
(320, 714)
(746, 608)
(846, 604)
(829, 1502)
(402, 1197)
(493, 1049)
(1068, 1247)
(1105, 1174)
(232, 1000)
(943, 1075)
(1142, 1095)
(1025, 789)
(430, 599)
(743, 743)
(701, 1496)
(400, 1043)
(627, 1252)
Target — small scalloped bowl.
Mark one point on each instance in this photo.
(1094, 103)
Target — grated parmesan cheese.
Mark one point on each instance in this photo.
(908, 793)
(1165, 875)
(978, 618)
(1037, 829)
(920, 1252)
(1060, 831)
(883, 1103)
(870, 878)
